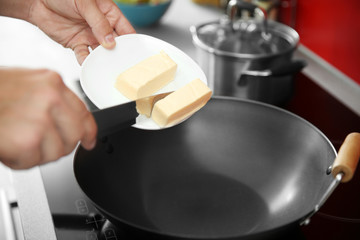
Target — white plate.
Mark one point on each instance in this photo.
(102, 66)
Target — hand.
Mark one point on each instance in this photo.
(40, 118)
(80, 24)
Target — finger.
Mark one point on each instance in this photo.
(13, 164)
(74, 122)
(18, 163)
(123, 26)
(19, 150)
(94, 46)
(44, 138)
(89, 139)
(81, 52)
(52, 147)
(87, 121)
(60, 115)
(99, 24)
(21, 159)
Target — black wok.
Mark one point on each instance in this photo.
(236, 169)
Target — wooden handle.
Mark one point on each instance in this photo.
(348, 157)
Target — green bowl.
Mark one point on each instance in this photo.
(143, 15)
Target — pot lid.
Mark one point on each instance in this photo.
(245, 38)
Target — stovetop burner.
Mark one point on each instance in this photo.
(88, 227)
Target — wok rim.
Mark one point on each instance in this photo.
(299, 220)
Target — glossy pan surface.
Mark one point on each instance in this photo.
(236, 168)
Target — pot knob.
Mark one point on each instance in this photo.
(237, 8)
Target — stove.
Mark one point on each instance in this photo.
(73, 215)
(76, 218)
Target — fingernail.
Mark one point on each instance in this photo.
(109, 40)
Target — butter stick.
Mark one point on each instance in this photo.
(181, 104)
(146, 77)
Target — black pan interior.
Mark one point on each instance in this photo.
(234, 168)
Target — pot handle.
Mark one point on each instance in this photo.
(348, 157)
(283, 69)
(288, 68)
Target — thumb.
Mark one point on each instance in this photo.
(99, 25)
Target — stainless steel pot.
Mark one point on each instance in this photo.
(248, 58)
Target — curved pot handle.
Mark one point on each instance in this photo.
(283, 69)
(288, 68)
(348, 157)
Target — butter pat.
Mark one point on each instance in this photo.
(181, 104)
(146, 77)
(145, 105)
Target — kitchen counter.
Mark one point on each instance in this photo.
(23, 45)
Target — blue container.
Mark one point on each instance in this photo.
(142, 15)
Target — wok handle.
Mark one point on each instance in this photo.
(348, 157)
